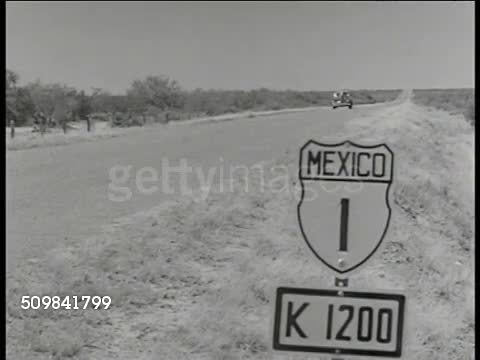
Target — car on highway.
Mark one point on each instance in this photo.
(342, 98)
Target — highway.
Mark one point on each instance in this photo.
(61, 193)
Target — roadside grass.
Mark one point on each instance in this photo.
(455, 101)
(26, 139)
(433, 197)
(195, 279)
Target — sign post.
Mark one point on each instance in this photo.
(343, 214)
(340, 283)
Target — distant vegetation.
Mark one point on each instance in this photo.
(458, 101)
(154, 99)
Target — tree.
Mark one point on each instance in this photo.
(99, 100)
(10, 88)
(158, 91)
(61, 115)
(24, 106)
(42, 97)
(19, 104)
(56, 101)
(83, 108)
(11, 79)
(83, 105)
(102, 101)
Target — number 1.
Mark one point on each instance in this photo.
(344, 203)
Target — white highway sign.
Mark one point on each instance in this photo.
(339, 322)
(344, 211)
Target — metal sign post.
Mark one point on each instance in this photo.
(340, 283)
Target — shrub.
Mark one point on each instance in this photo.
(126, 120)
(161, 118)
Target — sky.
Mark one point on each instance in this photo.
(234, 45)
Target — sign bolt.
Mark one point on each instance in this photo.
(341, 263)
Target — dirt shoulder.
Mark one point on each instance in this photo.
(194, 279)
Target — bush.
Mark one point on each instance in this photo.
(136, 120)
(100, 116)
(126, 120)
(160, 118)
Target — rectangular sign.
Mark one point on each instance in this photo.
(338, 322)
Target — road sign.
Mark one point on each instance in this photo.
(339, 322)
(344, 210)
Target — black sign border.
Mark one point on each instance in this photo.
(386, 199)
(332, 350)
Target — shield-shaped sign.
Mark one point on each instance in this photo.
(344, 211)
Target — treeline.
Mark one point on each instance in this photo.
(153, 99)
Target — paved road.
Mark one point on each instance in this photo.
(58, 194)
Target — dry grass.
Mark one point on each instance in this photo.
(455, 101)
(195, 279)
(373, 96)
(431, 246)
(26, 139)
